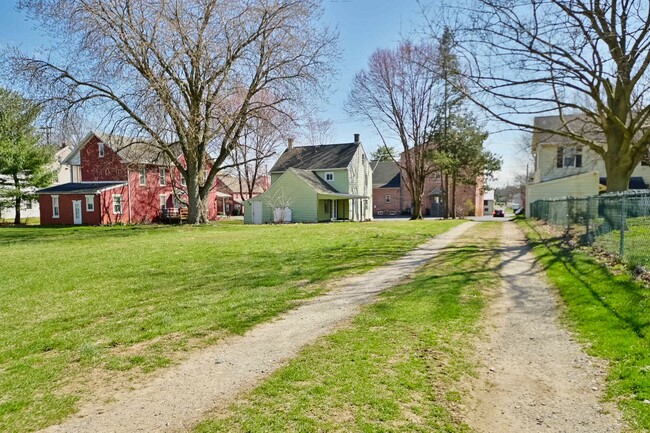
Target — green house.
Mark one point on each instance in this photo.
(311, 184)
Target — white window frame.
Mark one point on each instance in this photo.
(143, 176)
(55, 207)
(162, 175)
(90, 203)
(329, 176)
(163, 201)
(118, 198)
(387, 198)
(100, 149)
(570, 156)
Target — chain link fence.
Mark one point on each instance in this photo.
(618, 223)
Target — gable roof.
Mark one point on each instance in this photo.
(385, 174)
(129, 149)
(573, 122)
(314, 182)
(80, 187)
(321, 157)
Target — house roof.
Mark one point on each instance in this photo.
(129, 149)
(314, 182)
(232, 183)
(385, 174)
(321, 157)
(574, 123)
(80, 187)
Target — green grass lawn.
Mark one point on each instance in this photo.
(397, 368)
(637, 242)
(611, 314)
(83, 307)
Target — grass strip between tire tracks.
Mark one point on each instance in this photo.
(398, 367)
(611, 314)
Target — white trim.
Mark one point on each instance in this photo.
(90, 200)
(121, 204)
(57, 214)
(329, 176)
(142, 176)
(162, 176)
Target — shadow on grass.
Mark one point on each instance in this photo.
(554, 253)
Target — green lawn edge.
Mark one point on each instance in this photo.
(399, 366)
(611, 315)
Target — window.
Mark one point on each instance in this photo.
(569, 156)
(387, 198)
(143, 176)
(90, 203)
(163, 176)
(117, 204)
(28, 204)
(646, 161)
(183, 181)
(55, 206)
(205, 175)
(163, 202)
(100, 148)
(329, 177)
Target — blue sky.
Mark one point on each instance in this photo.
(364, 26)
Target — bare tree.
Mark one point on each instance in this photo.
(317, 131)
(586, 60)
(260, 140)
(400, 94)
(184, 75)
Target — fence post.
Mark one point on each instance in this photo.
(587, 215)
(623, 218)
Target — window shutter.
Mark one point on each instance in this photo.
(559, 157)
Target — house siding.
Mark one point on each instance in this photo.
(66, 216)
(581, 185)
(360, 175)
(303, 202)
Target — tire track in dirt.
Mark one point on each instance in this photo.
(212, 378)
(534, 376)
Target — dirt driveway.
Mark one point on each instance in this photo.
(179, 398)
(534, 375)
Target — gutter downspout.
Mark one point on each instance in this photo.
(128, 184)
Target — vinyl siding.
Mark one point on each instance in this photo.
(581, 185)
(340, 182)
(360, 175)
(303, 202)
(546, 168)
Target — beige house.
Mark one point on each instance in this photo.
(564, 168)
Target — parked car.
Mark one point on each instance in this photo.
(498, 213)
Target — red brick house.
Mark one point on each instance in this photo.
(115, 180)
(392, 197)
(386, 188)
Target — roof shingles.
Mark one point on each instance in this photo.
(322, 157)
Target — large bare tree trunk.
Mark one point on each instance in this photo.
(619, 171)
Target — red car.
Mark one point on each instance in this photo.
(498, 213)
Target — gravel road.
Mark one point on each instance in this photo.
(180, 396)
(534, 376)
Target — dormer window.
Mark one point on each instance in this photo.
(329, 176)
(100, 148)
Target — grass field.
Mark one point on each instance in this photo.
(397, 368)
(611, 314)
(84, 307)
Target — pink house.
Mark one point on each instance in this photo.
(116, 180)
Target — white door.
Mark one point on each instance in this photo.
(257, 212)
(76, 211)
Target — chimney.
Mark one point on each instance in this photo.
(290, 143)
(356, 138)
